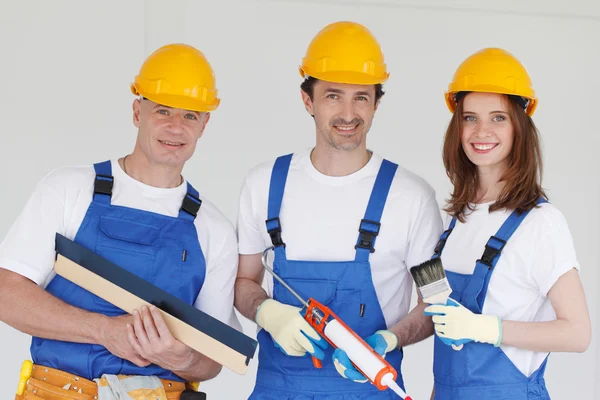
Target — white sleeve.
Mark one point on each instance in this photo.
(216, 295)
(425, 233)
(29, 247)
(249, 230)
(554, 255)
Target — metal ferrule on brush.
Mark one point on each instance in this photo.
(436, 292)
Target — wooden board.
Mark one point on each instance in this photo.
(200, 341)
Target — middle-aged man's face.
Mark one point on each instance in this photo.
(166, 135)
(343, 113)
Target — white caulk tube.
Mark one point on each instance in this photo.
(363, 357)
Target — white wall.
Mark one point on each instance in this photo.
(66, 67)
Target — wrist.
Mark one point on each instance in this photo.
(192, 358)
(499, 341)
(260, 307)
(97, 328)
(391, 338)
(493, 333)
(189, 366)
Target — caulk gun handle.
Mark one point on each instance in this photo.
(314, 308)
(317, 363)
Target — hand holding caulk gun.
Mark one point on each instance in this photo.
(372, 365)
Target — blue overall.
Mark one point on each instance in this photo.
(160, 249)
(481, 371)
(346, 287)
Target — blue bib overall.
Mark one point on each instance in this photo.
(481, 371)
(160, 249)
(346, 287)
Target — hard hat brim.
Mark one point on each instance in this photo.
(347, 77)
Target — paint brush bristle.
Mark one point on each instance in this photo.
(428, 272)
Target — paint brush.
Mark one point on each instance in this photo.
(431, 281)
(434, 288)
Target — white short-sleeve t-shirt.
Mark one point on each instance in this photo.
(60, 202)
(320, 216)
(539, 252)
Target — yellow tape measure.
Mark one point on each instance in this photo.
(24, 375)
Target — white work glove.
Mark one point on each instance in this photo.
(456, 325)
(289, 331)
(381, 341)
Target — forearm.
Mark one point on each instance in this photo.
(248, 296)
(29, 308)
(570, 332)
(552, 336)
(201, 368)
(413, 328)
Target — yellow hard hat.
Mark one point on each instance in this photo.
(178, 76)
(492, 70)
(345, 52)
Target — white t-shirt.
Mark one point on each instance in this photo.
(539, 252)
(320, 216)
(60, 202)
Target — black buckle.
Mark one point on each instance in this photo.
(365, 240)
(191, 204)
(439, 247)
(275, 233)
(103, 184)
(491, 252)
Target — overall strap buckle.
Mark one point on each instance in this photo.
(367, 236)
(439, 247)
(274, 230)
(103, 184)
(191, 204)
(493, 248)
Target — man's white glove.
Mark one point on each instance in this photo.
(289, 331)
(382, 342)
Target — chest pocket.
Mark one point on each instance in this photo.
(128, 231)
(321, 290)
(130, 245)
(344, 303)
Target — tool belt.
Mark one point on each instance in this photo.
(38, 382)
